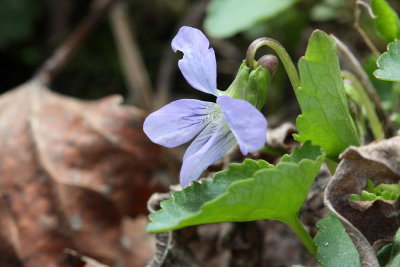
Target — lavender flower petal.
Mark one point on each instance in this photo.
(247, 123)
(219, 141)
(216, 119)
(198, 64)
(178, 122)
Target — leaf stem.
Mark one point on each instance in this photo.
(359, 72)
(302, 234)
(280, 51)
(364, 101)
(356, 25)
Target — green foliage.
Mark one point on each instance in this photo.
(387, 21)
(250, 191)
(389, 63)
(335, 247)
(228, 17)
(383, 88)
(17, 19)
(250, 85)
(381, 191)
(326, 10)
(389, 255)
(325, 118)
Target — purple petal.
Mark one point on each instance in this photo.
(247, 123)
(178, 122)
(216, 119)
(198, 64)
(219, 141)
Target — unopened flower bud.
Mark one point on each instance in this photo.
(269, 62)
(251, 84)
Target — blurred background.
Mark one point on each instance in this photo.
(30, 31)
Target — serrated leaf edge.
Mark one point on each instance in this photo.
(387, 53)
(229, 188)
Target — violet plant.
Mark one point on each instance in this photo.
(256, 189)
(216, 125)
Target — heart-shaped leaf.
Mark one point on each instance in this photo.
(335, 247)
(389, 63)
(250, 191)
(325, 118)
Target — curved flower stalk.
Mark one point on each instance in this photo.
(218, 126)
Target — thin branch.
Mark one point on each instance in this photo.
(364, 101)
(51, 66)
(368, 8)
(136, 76)
(282, 54)
(359, 72)
(364, 36)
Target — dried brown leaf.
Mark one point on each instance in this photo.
(281, 136)
(70, 173)
(370, 224)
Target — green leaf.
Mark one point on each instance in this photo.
(250, 85)
(228, 17)
(389, 63)
(250, 191)
(389, 255)
(381, 191)
(325, 118)
(383, 88)
(387, 21)
(335, 247)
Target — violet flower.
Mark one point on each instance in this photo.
(218, 126)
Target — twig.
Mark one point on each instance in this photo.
(163, 240)
(364, 36)
(365, 102)
(168, 63)
(136, 76)
(359, 72)
(368, 8)
(51, 66)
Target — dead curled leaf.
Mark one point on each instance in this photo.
(70, 173)
(281, 136)
(369, 224)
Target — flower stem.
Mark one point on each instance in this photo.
(280, 51)
(356, 25)
(357, 69)
(364, 101)
(303, 235)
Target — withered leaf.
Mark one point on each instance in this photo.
(70, 173)
(372, 223)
